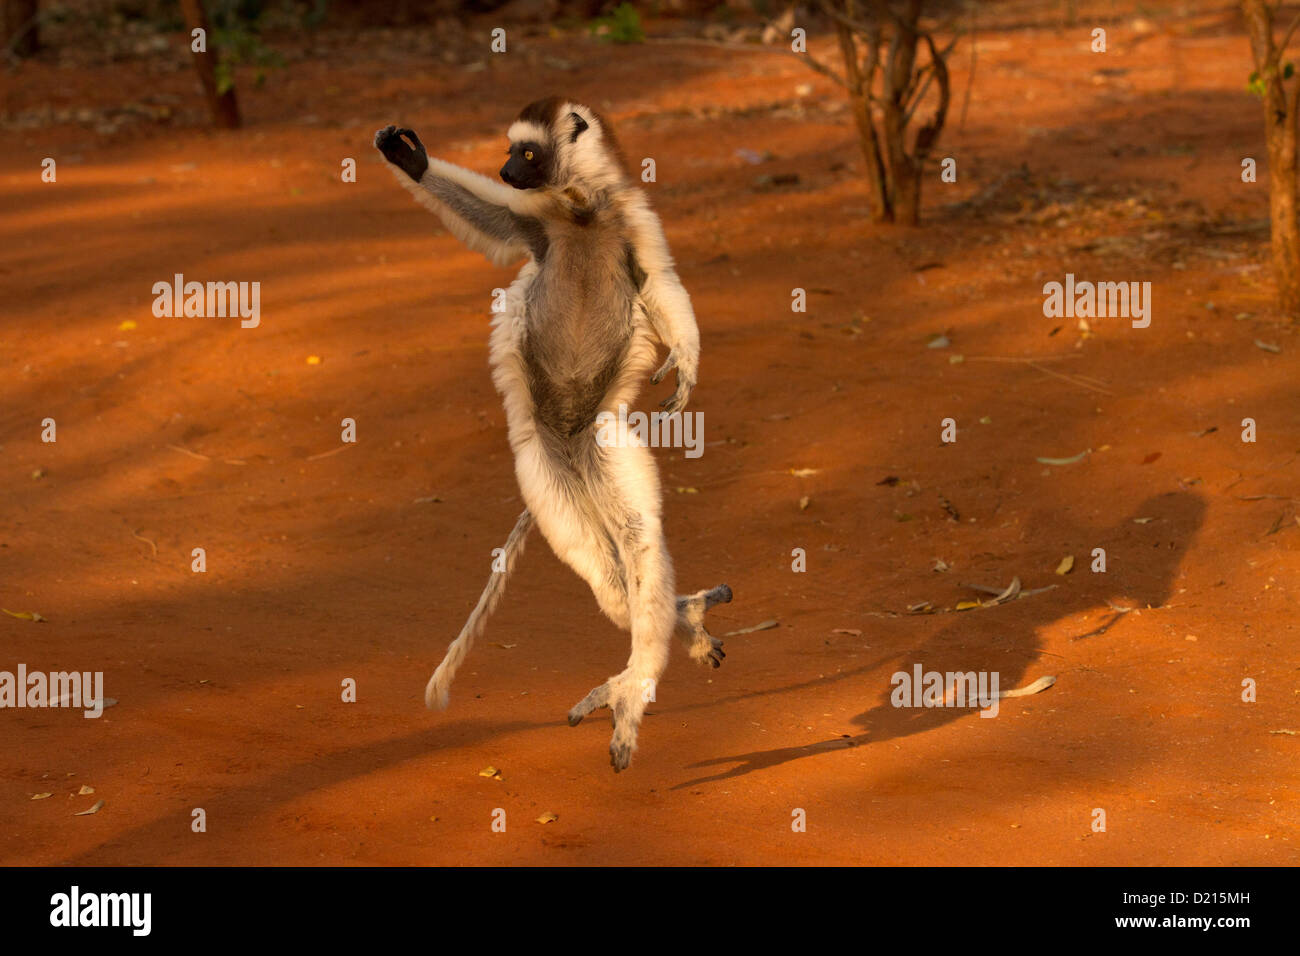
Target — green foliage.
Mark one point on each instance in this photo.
(623, 25)
(1257, 84)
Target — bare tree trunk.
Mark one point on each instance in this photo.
(904, 176)
(894, 173)
(1281, 108)
(928, 134)
(223, 106)
(907, 197)
(858, 79)
(20, 27)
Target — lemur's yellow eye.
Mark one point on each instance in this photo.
(528, 155)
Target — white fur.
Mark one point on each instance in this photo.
(587, 160)
(523, 131)
(621, 504)
(498, 252)
(437, 693)
(665, 298)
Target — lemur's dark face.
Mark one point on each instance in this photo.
(528, 167)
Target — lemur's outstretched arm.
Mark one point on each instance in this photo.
(666, 303)
(477, 211)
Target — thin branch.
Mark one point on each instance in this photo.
(899, 21)
(814, 64)
(949, 24)
(970, 81)
(136, 534)
(1287, 38)
(1068, 378)
(943, 54)
(926, 71)
(21, 33)
(859, 89)
(872, 61)
(910, 96)
(928, 133)
(1024, 358)
(854, 24)
(1293, 108)
(889, 71)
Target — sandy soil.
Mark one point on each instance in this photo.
(185, 433)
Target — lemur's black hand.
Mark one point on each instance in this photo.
(412, 161)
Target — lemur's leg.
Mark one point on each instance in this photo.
(598, 559)
(633, 504)
(601, 496)
(575, 503)
(568, 518)
(653, 606)
(564, 513)
(595, 528)
(702, 646)
(568, 510)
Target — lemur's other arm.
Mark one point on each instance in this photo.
(476, 210)
(667, 303)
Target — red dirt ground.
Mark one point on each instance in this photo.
(184, 433)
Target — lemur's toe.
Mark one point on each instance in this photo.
(620, 756)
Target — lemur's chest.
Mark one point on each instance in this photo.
(580, 315)
(585, 266)
(582, 303)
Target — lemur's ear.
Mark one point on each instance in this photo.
(579, 126)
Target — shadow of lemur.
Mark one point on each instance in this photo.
(1142, 561)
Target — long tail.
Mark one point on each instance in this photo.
(437, 691)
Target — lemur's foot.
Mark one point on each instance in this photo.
(599, 697)
(703, 647)
(707, 649)
(719, 595)
(620, 754)
(410, 158)
(623, 743)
